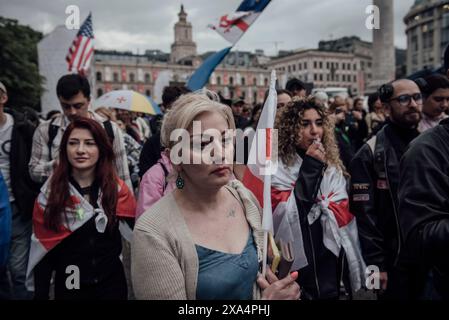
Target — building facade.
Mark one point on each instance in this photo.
(323, 69)
(362, 50)
(427, 34)
(241, 74)
(125, 70)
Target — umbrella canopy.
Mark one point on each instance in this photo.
(128, 100)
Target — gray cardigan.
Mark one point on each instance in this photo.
(163, 254)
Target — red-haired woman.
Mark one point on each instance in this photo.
(76, 220)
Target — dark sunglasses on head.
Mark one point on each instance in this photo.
(405, 99)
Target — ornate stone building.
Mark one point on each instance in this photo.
(241, 74)
(427, 33)
(183, 46)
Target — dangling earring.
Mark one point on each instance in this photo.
(179, 182)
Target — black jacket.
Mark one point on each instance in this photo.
(344, 145)
(424, 203)
(358, 130)
(320, 279)
(373, 194)
(101, 274)
(24, 189)
(150, 154)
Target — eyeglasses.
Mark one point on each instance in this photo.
(405, 99)
(68, 106)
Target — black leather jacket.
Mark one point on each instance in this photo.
(373, 194)
(424, 203)
(320, 279)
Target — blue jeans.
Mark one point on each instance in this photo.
(12, 280)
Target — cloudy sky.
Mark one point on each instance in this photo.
(148, 24)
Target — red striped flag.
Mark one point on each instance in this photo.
(261, 164)
(233, 26)
(43, 240)
(82, 48)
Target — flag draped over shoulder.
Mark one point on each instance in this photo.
(82, 48)
(199, 79)
(233, 26)
(331, 207)
(43, 240)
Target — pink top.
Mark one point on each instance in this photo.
(152, 185)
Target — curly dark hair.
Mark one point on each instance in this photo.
(288, 123)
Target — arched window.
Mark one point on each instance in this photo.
(147, 78)
(131, 77)
(255, 81)
(231, 81)
(243, 81)
(115, 77)
(98, 76)
(148, 92)
(265, 81)
(99, 92)
(218, 80)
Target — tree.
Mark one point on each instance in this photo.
(19, 67)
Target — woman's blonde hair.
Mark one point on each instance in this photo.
(106, 113)
(189, 106)
(288, 123)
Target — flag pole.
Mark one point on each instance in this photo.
(264, 261)
(267, 220)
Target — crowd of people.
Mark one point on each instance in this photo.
(96, 193)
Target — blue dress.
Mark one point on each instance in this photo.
(226, 276)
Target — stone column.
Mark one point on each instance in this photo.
(384, 61)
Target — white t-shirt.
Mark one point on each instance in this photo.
(5, 148)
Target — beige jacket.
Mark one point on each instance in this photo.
(163, 254)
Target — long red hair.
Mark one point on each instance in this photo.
(105, 176)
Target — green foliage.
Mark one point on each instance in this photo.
(19, 65)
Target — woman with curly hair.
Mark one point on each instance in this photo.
(311, 203)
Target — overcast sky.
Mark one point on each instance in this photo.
(148, 24)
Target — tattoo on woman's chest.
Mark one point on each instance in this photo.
(231, 213)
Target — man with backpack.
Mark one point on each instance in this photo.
(374, 174)
(73, 92)
(16, 133)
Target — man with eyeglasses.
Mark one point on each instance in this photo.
(73, 92)
(374, 174)
(435, 89)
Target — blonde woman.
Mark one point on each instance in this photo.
(309, 190)
(204, 239)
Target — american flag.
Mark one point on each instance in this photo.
(82, 48)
